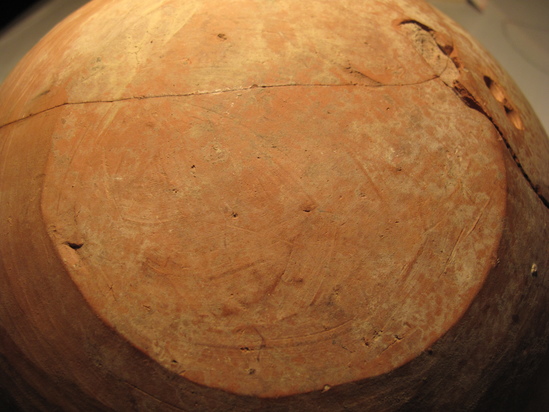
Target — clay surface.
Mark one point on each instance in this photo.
(285, 205)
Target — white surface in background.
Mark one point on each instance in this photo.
(516, 33)
(17, 39)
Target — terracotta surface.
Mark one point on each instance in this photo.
(252, 205)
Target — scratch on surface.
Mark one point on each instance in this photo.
(111, 290)
(323, 262)
(475, 223)
(286, 342)
(237, 269)
(434, 226)
(154, 397)
(453, 252)
(404, 273)
(242, 229)
(463, 235)
(366, 174)
(243, 347)
(107, 185)
(282, 174)
(71, 159)
(148, 221)
(263, 344)
(407, 268)
(396, 339)
(313, 337)
(155, 267)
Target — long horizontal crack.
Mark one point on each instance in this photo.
(219, 91)
(458, 88)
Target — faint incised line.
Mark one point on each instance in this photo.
(366, 174)
(291, 341)
(232, 271)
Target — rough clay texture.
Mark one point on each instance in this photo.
(256, 205)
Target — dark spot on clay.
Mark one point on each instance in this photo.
(193, 167)
(307, 208)
(174, 361)
(234, 215)
(251, 371)
(222, 36)
(74, 246)
(514, 117)
(495, 89)
(245, 349)
(429, 351)
(44, 93)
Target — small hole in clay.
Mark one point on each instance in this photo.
(74, 246)
(499, 94)
(514, 117)
(308, 207)
(495, 89)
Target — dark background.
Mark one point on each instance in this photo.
(14, 11)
